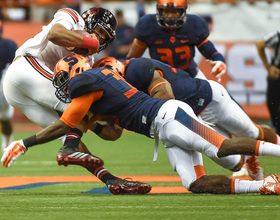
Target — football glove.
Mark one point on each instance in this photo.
(12, 152)
(218, 68)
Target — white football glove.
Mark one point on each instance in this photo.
(12, 152)
(219, 68)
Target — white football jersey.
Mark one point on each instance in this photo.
(41, 48)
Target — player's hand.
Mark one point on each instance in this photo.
(218, 68)
(12, 152)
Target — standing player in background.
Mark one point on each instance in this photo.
(28, 83)
(124, 36)
(7, 54)
(171, 36)
(272, 40)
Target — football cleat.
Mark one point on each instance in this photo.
(67, 157)
(125, 187)
(254, 168)
(242, 172)
(270, 186)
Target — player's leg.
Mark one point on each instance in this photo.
(226, 113)
(6, 114)
(188, 164)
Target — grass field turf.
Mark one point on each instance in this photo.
(131, 155)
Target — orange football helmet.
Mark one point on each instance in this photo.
(173, 22)
(65, 69)
(111, 63)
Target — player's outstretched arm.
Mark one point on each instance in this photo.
(137, 49)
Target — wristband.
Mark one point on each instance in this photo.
(98, 128)
(90, 43)
(28, 142)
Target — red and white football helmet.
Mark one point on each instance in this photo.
(65, 69)
(111, 63)
(173, 22)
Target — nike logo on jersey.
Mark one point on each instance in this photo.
(184, 41)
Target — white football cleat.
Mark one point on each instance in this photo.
(270, 186)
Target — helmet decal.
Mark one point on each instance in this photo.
(65, 69)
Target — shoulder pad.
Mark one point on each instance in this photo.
(145, 26)
(198, 26)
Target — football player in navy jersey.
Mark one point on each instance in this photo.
(102, 91)
(7, 53)
(207, 98)
(171, 36)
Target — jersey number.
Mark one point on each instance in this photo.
(128, 90)
(185, 54)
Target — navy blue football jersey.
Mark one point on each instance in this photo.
(134, 109)
(197, 93)
(175, 48)
(7, 53)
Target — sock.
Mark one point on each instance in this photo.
(267, 149)
(246, 186)
(278, 139)
(102, 174)
(73, 139)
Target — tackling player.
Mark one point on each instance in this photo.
(102, 91)
(28, 83)
(171, 36)
(207, 98)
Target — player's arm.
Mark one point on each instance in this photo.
(107, 130)
(208, 50)
(61, 36)
(273, 71)
(137, 49)
(160, 87)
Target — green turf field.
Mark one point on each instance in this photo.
(131, 155)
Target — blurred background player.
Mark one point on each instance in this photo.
(7, 53)
(272, 64)
(124, 36)
(171, 36)
(28, 83)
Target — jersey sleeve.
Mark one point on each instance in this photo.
(67, 17)
(144, 28)
(80, 85)
(272, 38)
(200, 29)
(79, 107)
(139, 73)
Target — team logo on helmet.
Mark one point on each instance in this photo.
(111, 63)
(100, 17)
(65, 69)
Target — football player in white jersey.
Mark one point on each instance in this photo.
(28, 83)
